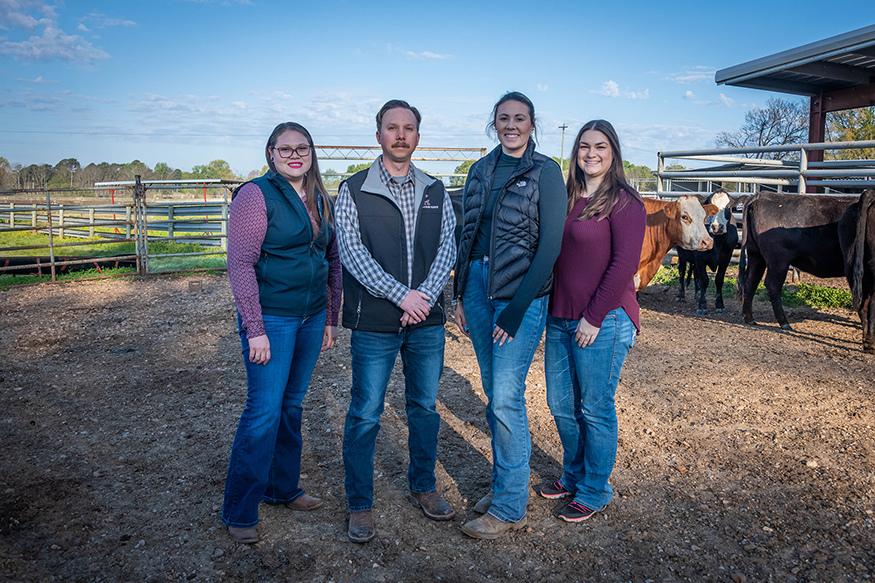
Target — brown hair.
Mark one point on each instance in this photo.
(603, 200)
(512, 96)
(312, 179)
(397, 104)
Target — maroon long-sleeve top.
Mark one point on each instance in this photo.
(594, 272)
(245, 236)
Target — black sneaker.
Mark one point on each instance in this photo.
(576, 512)
(554, 491)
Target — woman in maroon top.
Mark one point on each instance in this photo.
(285, 275)
(593, 317)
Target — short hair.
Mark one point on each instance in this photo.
(512, 96)
(397, 104)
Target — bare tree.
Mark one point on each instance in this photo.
(780, 123)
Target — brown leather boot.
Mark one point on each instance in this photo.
(489, 527)
(246, 536)
(433, 505)
(304, 502)
(361, 526)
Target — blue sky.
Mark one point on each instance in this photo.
(190, 81)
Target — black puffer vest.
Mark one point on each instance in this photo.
(515, 223)
(382, 232)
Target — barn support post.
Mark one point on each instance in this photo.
(816, 133)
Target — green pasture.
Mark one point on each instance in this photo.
(97, 247)
(792, 296)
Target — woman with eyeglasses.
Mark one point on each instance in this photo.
(285, 275)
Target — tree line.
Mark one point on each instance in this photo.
(780, 122)
(69, 173)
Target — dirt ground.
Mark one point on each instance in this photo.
(746, 453)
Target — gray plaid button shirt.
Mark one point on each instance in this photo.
(358, 261)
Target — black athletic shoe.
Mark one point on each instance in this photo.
(554, 491)
(575, 512)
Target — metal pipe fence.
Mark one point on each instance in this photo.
(131, 219)
(745, 168)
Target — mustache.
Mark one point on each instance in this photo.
(401, 145)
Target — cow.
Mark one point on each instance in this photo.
(670, 224)
(723, 231)
(780, 230)
(857, 241)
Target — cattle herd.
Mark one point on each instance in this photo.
(826, 236)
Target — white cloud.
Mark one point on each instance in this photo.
(542, 87)
(422, 55)
(609, 89)
(52, 45)
(16, 14)
(102, 21)
(612, 89)
(38, 80)
(694, 74)
(722, 101)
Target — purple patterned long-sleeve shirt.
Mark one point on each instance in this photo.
(247, 227)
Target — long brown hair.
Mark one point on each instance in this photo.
(312, 178)
(603, 200)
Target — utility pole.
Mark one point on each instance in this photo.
(563, 127)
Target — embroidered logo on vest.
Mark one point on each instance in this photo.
(426, 203)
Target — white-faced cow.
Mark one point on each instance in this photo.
(780, 230)
(670, 224)
(723, 230)
(857, 240)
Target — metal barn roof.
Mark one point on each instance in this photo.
(846, 61)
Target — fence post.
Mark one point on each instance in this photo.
(91, 222)
(803, 167)
(170, 221)
(660, 168)
(61, 223)
(128, 224)
(33, 216)
(224, 227)
(142, 234)
(11, 214)
(51, 235)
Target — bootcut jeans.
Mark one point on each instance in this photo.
(373, 358)
(503, 371)
(266, 454)
(581, 384)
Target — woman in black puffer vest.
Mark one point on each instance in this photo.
(514, 210)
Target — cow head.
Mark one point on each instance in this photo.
(694, 235)
(718, 222)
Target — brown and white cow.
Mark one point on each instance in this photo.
(670, 224)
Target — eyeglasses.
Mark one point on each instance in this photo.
(286, 152)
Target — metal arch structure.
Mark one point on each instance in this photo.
(424, 154)
(836, 73)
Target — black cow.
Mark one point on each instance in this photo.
(783, 229)
(857, 240)
(723, 231)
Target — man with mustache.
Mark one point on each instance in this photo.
(395, 231)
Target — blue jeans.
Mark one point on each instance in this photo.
(581, 383)
(503, 371)
(266, 455)
(373, 358)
